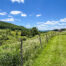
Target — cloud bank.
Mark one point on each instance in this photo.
(50, 25)
(8, 19)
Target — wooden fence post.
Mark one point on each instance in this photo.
(46, 38)
(21, 51)
(40, 41)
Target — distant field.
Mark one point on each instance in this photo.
(54, 54)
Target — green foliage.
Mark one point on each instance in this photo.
(5, 25)
(34, 31)
(60, 29)
(54, 54)
(10, 47)
(3, 38)
(16, 33)
(24, 31)
(30, 33)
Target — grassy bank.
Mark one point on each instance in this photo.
(54, 54)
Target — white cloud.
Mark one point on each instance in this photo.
(63, 20)
(51, 22)
(15, 12)
(49, 25)
(19, 1)
(7, 19)
(3, 13)
(62, 24)
(38, 15)
(41, 26)
(23, 15)
(22, 1)
(18, 12)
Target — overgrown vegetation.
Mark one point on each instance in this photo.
(54, 53)
(10, 44)
(24, 31)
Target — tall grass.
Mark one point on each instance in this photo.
(10, 50)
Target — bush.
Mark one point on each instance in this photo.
(34, 31)
(24, 39)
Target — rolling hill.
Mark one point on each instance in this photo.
(5, 25)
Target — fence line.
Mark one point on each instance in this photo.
(21, 51)
(48, 36)
(29, 53)
(40, 41)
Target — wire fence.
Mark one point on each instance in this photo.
(22, 53)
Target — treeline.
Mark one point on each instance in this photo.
(30, 33)
(4, 25)
(24, 31)
(64, 29)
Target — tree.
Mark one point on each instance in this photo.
(34, 31)
(23, 33)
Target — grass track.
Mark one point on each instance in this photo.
(54, 54)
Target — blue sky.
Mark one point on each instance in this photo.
(43, 14)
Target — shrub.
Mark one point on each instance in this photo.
(34, 31)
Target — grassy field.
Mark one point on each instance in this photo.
(10, 49)
(33, 55)
(54, 54)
